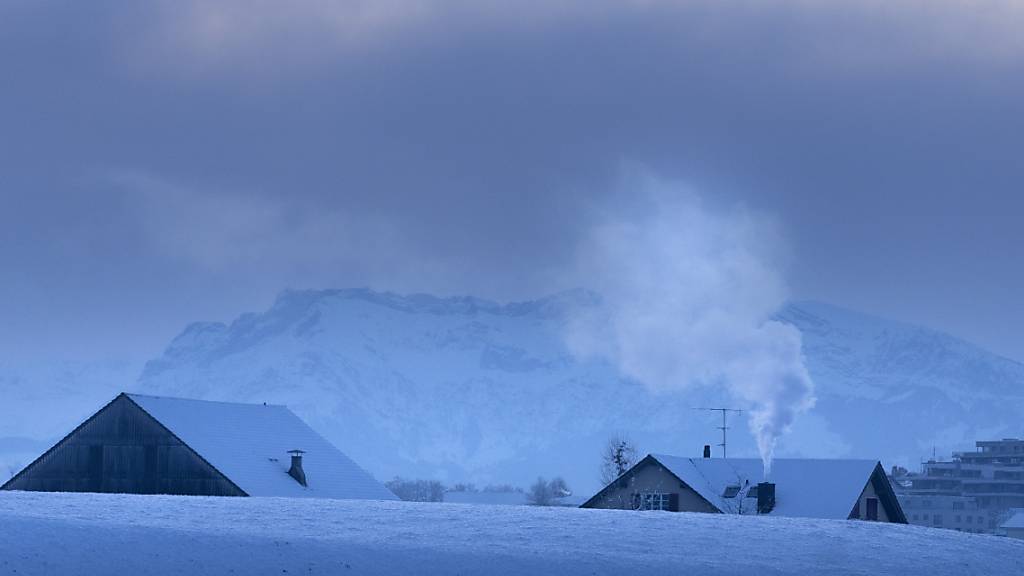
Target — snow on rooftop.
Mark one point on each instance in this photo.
(804, 488)
(1015, 521)
(249, 444)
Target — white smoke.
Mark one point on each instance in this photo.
(688, 296)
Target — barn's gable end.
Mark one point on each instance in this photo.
(122, 449)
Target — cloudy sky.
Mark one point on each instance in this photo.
(165, 162)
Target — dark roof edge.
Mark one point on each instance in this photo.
(61, 441)
(886, 493)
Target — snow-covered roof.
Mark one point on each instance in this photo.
(1015, 521)
(249, 444)
(806, 488)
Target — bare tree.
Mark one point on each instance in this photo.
(539, 493)
(558, 487)
(619, 455)
(416, 490)
(547, 493)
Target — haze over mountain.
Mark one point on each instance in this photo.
(467, 389)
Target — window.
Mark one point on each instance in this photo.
(658, 501)
(872, 508)
(937, 520)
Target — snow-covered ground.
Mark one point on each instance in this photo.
(129, 535)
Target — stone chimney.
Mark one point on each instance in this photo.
(296, 470)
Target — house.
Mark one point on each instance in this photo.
(837, 489)
(155, 445)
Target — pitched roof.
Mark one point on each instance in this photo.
(806, 488)
(1015, 521)
(249, 444)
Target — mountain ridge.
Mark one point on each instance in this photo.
(464, 388)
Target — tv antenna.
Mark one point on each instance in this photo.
(725, 426)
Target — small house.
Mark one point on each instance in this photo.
(807, 488)
(140, 444)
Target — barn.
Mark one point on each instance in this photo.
(805, 488)
(141, 444)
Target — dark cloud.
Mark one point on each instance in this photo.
(161, 163)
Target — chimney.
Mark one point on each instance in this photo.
(707, 451)
(765, 497)
(296, 470)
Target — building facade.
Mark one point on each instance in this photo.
(972, 492)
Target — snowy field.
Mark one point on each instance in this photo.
(53, 534)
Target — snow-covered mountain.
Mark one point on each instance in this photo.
(900, 391)
(465, 389)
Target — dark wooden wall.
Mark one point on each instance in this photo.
(122, 449)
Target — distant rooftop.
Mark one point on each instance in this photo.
(808, 488)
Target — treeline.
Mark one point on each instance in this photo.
(541, 493)
(417, 490)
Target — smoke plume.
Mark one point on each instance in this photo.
(688, 295)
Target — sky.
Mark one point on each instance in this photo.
(167, 162)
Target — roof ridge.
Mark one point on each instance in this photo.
(758, 459)
(183, 399)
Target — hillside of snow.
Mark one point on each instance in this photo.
(461, 389)
(100, 534)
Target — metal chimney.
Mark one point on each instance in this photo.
(765, 497)
(296, 470)
(707, 451)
